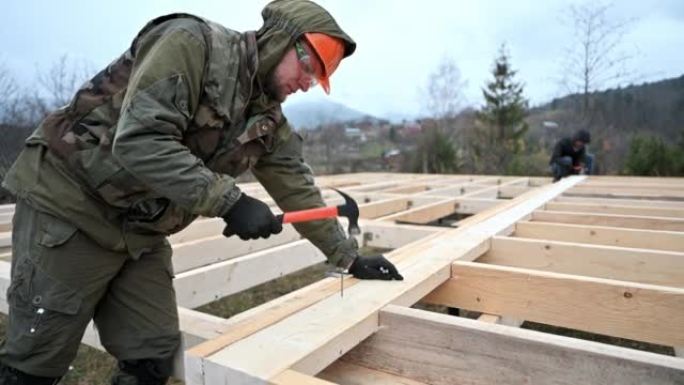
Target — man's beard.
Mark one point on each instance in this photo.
(271, 88)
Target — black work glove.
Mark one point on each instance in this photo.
(374, 267)
(251, 218)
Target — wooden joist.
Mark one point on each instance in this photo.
(602, 235)
(609, 259)
(629, 221)
(438, 349)
(655, 267)
(636, 311)
(305, 342)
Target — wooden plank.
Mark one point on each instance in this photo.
(311, 339)
(674, 195)
(615, 209)
(209, 283)
(602, 235)
(624, 202)
(407, 189)
(5, 239)
(426, 213)
(7, 208)
(346, 373)
(383, 207)
(629, 221)
(291, 377)
(489, 318)
(655, 267)
(510, 192)
(443, 350)
(641, 312)
(387, 235)
(193, 254)
(476, 205)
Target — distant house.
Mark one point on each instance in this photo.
(392, 159)
(355, 134)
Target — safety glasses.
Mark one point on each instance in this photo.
(306, 62)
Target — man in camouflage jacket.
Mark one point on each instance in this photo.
(150, 143)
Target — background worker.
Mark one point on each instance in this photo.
(570, 156)
(150, 143)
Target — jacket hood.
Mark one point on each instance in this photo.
(284, 22)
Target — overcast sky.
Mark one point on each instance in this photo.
(399, 42)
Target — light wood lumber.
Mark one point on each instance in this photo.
(346, 373)
(641, 312)
(624, 202)
(655, 267)
(629, 221)
(443, 350)
(306, 342)
(615, 209)
(602, 235)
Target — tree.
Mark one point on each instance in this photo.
(651, 156)
(502, 118)
(444, 93)
(436, 153)
(595, 59)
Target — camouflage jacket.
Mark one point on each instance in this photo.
(157, 138)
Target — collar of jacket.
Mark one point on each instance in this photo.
(223, 72)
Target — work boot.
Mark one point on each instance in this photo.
(11, 376)
(142, 372)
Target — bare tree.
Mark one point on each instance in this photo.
(444, 93)
(596, 58)
(8, 88)
(61, 81)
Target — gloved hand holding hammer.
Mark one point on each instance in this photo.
(251, 218)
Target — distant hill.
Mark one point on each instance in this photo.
(310, 114)
(656, 107)
(619, 115)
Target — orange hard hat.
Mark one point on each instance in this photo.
(330, 50)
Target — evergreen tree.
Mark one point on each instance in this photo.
(502, 118)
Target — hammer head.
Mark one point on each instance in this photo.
(350, 210)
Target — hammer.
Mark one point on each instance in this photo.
(349, 209)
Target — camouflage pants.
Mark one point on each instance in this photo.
(61, 280)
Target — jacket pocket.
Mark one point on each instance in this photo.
(54, 232)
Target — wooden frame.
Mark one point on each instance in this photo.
(600, 254)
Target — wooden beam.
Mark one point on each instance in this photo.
(210, 283)
(443, 350)
(629, 221)
(602, 235)
(5, 239)
(615, 209)
(383, 207)
(641, 312)
(673, 195)
(476, 205)
(387, 235)
(310, 339)
(205, 251)
(347, 373)
(407, 189)
(426, 213)
(624, 202)
(291, 377)
(655, 267)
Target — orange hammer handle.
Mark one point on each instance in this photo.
(310, 215)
